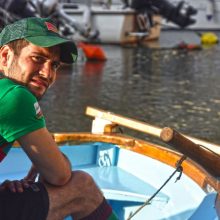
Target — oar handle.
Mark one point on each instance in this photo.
(208, 160)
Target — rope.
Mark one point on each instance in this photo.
(178, 169)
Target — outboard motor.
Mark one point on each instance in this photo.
(12, 10)
(179, 14)
(17, 7)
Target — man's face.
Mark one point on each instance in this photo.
(35, 67)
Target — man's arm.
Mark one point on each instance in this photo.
(46, 156)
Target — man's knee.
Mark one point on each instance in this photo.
(80, 195)
(82, 175)
(85, 180)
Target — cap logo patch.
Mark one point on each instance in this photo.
(51, 27)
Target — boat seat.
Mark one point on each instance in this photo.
(115, 182)
(118, 184)
(122, 189)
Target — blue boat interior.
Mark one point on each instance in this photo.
(127, 180)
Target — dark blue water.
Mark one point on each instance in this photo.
(160, 85)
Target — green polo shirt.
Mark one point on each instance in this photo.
(20, 114)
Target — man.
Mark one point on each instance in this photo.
(31, 51)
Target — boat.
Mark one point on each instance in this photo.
(207, 17)
(140, 179)
(121, 21)
(97, 22)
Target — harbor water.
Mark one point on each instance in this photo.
(160, 85)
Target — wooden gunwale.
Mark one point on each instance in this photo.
(199, 175)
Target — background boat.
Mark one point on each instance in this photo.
(141, 180)
(108, 23)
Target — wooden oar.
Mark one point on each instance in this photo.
(142, 126)
(208, 160)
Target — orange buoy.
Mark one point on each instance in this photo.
(92, 52)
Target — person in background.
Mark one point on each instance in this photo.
(31, 51)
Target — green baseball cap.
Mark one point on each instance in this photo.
(40, 32)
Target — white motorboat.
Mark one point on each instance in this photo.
(108, 23)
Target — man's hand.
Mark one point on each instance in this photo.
(20, 185)
(14, 185)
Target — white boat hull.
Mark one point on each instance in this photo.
(115, 25)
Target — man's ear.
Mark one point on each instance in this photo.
(6, 56)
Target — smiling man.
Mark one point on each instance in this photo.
(31, 51)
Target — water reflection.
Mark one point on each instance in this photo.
(165, 87)
(93, 67)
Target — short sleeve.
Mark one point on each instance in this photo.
(20, 114)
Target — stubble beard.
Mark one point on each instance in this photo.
(13, 72)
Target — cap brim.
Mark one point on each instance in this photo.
(68, 52)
